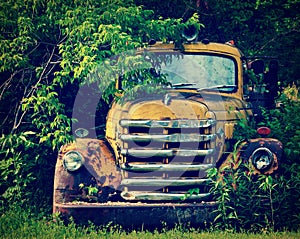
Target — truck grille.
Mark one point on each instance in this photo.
(165, 159)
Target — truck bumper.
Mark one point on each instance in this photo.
(139, 215)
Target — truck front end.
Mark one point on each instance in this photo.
(159, 146)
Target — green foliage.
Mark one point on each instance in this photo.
(91, 190)
(282, 121)
(284, 125)
(264, 202)
(256, 203)
(47, 50)
(190, 192)
(244, 129)
(18, 223)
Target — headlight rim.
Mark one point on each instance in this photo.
(81, 160)
(270, 157)
(81, 132)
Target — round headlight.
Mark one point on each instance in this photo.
(81, 132)
(72, 160)
(262, 158)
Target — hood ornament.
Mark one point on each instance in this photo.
(167, 99)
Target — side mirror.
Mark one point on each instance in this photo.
(271, 80)
(273, 70)
(264, 88)
(258, 66)
(118, 84)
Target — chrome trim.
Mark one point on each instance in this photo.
(163, 182)
(138, 167)
(168, 138)
(165, 152)
(72, 160)
(134, 195)
(262, 158)
(178, 123)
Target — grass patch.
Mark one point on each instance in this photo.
(20, 224)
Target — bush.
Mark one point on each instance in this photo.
(264, 202)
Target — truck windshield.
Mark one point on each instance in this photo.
(213, 72)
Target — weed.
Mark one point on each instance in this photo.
(19, 223)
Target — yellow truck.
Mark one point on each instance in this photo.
(159, 146)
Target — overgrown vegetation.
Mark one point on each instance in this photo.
(18, 224)
(261, 203)
(47, 50)
(257, 203)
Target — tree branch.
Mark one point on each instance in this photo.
(275, 38)
(18, 120)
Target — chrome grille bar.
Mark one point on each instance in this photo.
(168, 138)
(138, 167)
(164, 182)
(133, 195)
(178, 123)
(166, 152)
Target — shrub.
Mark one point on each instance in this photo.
(264, 202)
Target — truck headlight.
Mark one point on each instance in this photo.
(81, 132)
(72, 161)
(262, 158)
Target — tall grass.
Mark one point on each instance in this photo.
(260, 203)
(18, 223)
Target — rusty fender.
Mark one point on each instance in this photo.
(261, 151)
(98, 169)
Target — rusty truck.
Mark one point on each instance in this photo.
(158, 147)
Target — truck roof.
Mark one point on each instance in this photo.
(196, 47)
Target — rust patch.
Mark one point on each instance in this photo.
(100, 162)
(99, 170)
(245, 150)
(273, 145)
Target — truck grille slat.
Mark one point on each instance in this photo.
(136, 195)
(163, 182)
(164, 159)
(168, 138)
(178, 123)
(133, 167)
(166, 152)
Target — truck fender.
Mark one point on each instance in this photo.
(98, 165)
(262, 154)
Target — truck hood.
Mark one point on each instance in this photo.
(175, 108)
(181, 106)
(224, 109)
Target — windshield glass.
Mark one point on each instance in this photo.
(201, 72)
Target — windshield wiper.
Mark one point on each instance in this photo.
(182, 85)
(217, 87)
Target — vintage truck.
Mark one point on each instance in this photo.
(158, 147)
